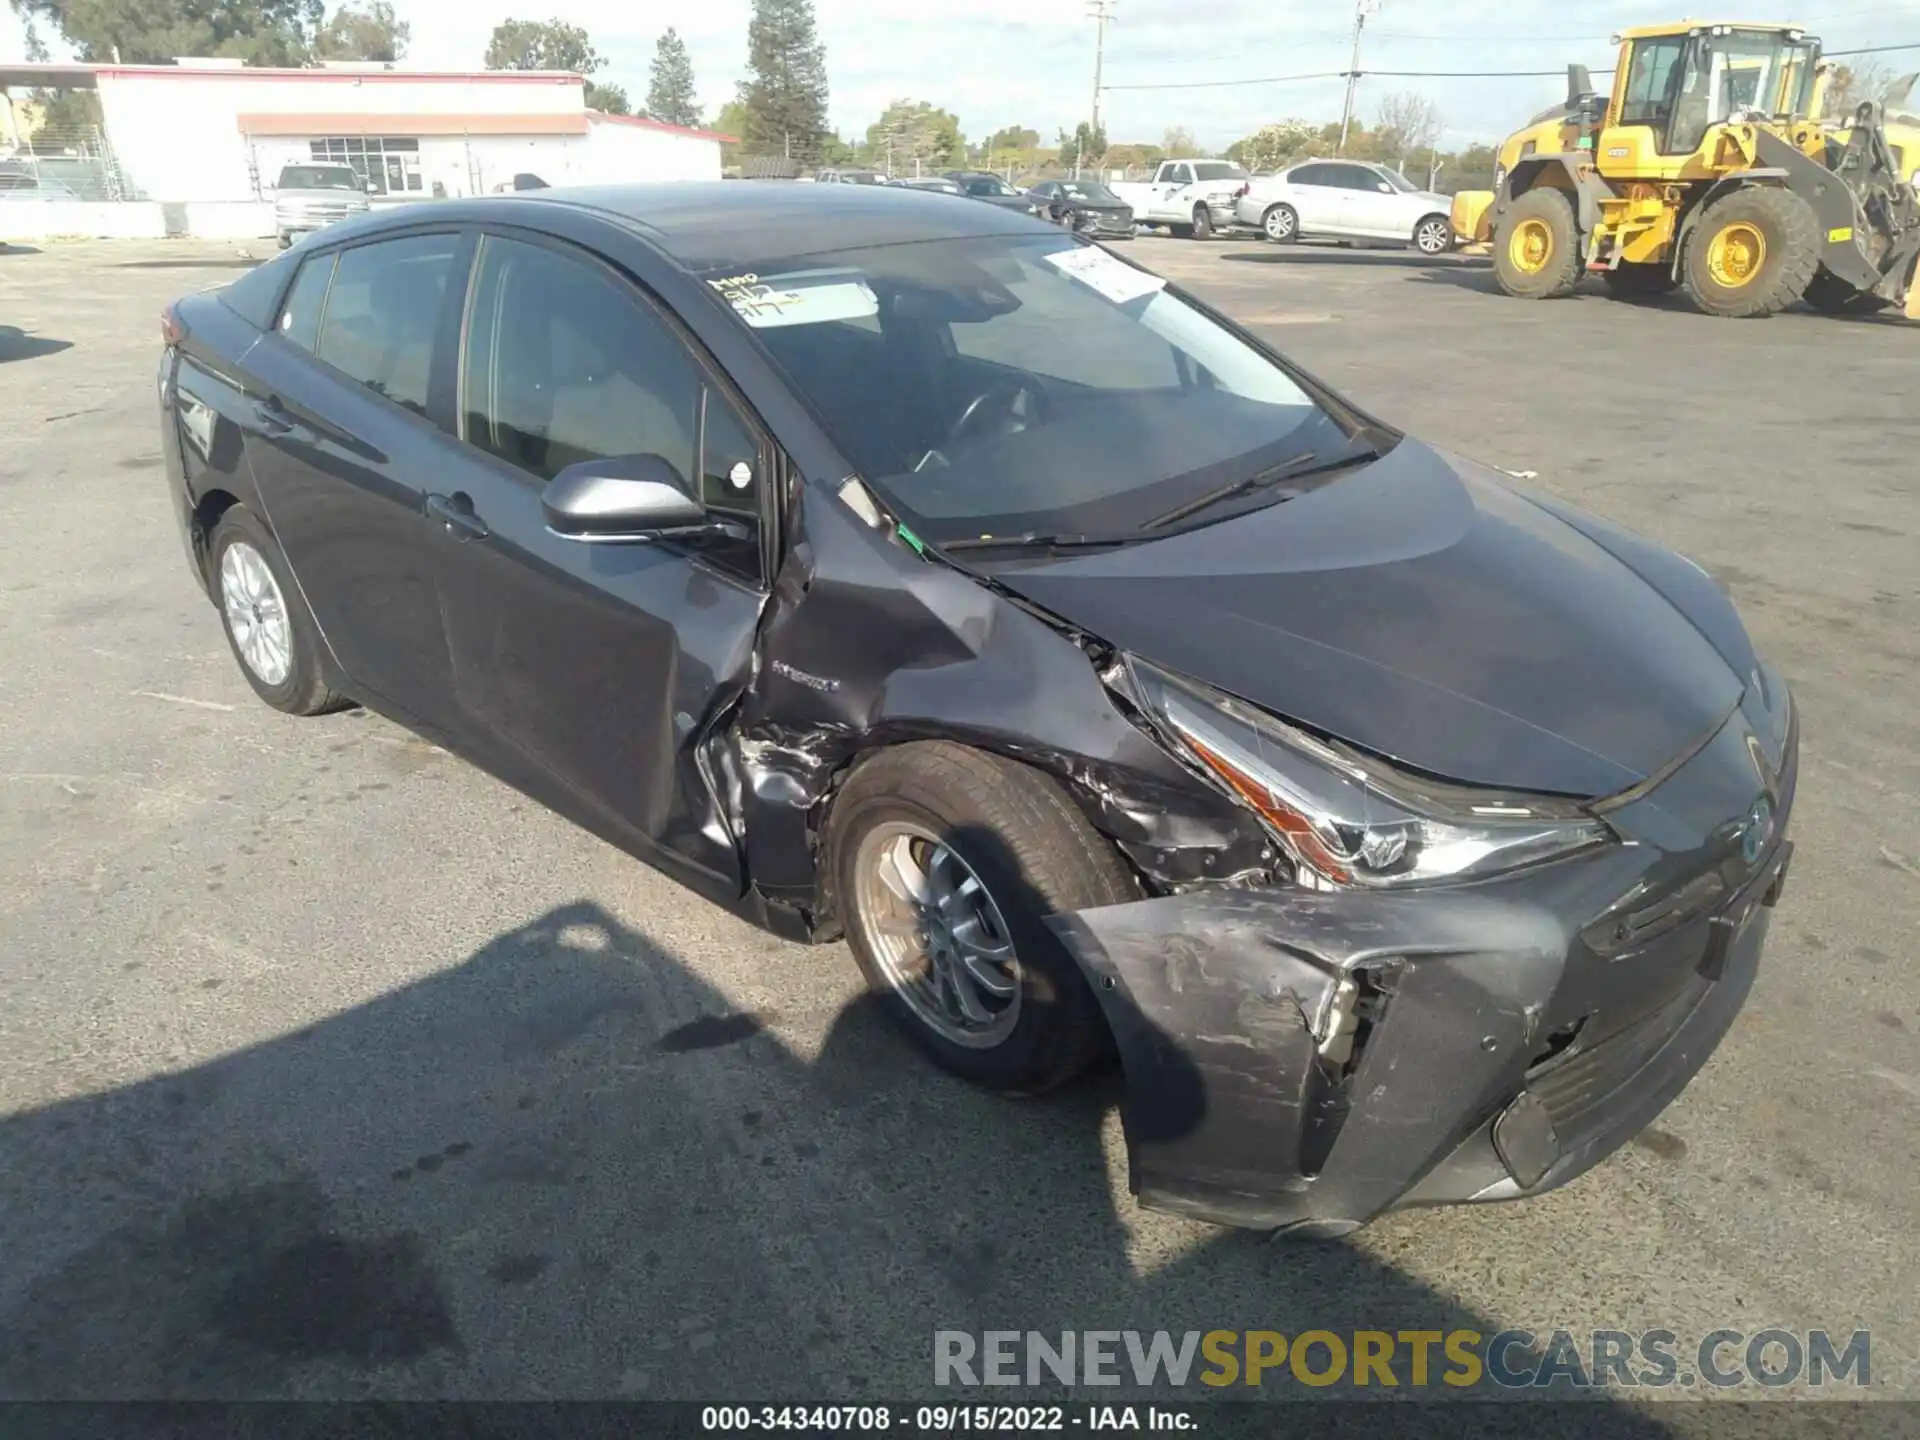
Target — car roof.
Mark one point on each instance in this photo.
(731, 224)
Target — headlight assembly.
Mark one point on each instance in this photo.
(1348, 818)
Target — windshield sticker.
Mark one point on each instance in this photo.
(810, 298)
(1115, 279)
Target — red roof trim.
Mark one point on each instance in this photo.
(646, 124)
(338, 77)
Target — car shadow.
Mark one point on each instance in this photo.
(1322, 254)
(17, 344)
(569, 1168)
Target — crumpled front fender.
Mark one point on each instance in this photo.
(1302, 1059)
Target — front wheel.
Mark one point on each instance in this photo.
(944, 862)
(1202, 223)
(1280, 224)
(1433, 235)
(1753, 253)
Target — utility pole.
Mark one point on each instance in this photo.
(1102, 12)
(1361, 9)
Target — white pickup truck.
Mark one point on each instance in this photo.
(1190, 197)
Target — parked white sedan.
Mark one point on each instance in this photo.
(1346, 200)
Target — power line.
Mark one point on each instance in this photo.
(1871, 50)
(1223, 84)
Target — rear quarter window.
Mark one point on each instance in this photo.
(255, 296)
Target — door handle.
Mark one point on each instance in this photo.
(273, 416)
(454, 514)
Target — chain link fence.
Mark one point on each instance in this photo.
(64, 162)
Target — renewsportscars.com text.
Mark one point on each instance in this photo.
(1460, 1359)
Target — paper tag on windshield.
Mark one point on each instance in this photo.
(804, 299)
(1115, 279)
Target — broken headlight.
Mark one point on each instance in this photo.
(1349, 818)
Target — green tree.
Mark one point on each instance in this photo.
(732, 120)
(1178, 143)
(365, 31)
(670, 96)
(785, 92)
(1083, 147)
(1275, 145)
(152, 32)
(542, 45)
(911, 132)
(1014, 137)
(608, 99)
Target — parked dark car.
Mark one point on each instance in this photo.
(980, 185)
(1084, 206)
(937, 184)
(913, 571)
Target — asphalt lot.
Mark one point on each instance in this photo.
(331, 1067)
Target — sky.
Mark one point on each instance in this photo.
(1030, 62)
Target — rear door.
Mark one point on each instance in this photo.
(1316, 198)
(346, 437)
(591, 672)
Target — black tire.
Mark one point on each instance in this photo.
(1202, 223)
(1180, 232)
(1554, 270)
(1281, 224)
(1791, 234)
(1828, 293)
(1035, 853)
(1632, 281)
(1433, 236)
(304, 689)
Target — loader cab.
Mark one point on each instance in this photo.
(1674, 87)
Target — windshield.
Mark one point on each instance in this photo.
(1398, 181)
(1023, 384)
(319, 177)
(1756, 70)
(1091, 193)
(1215, 170)
(987, 185)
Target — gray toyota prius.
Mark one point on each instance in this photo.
(918, 573)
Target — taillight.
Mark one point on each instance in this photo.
(172, 332)
(1241, 191)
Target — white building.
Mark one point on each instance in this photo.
(214, 132)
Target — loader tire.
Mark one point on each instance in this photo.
(1753, 253)
(1536, 247)
(1633, 281)
(1827, 292)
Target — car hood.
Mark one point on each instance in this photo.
(1425, 610)
(303, 197)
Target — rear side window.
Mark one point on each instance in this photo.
(253, 294)
(1310, 175)
(382, 312)
(300, 316)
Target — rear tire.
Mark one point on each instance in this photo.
(1536, 246)
(1632, 281)
(1280, 224)
(1202, 223)
(1032, 853)
(267, 625)
(1753, 253)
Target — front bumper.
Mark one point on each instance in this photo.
(1308, 1060)
(1101, 224)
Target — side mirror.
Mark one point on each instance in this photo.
(624, 497)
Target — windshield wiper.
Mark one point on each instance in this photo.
(1300, 467)
(1032, 541)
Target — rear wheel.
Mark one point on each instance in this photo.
(1753, 253)
(267, 625)
(1202, 223)
(1632, 281)
(944, 863)
(1280, 224)
(1536, 247)
(1828, 292)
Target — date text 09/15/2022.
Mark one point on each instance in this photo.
(945, 1419)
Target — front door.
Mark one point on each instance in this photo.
(343, 448)
(1369, 205)
(590, 673)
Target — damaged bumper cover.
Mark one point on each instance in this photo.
(1305, 1060)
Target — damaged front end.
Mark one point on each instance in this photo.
(1305, 1060)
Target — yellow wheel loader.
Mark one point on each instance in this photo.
(1709, 170)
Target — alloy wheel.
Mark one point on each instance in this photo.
(1432, 238)
(937, 934)
(1279, 223)
(256, 613)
